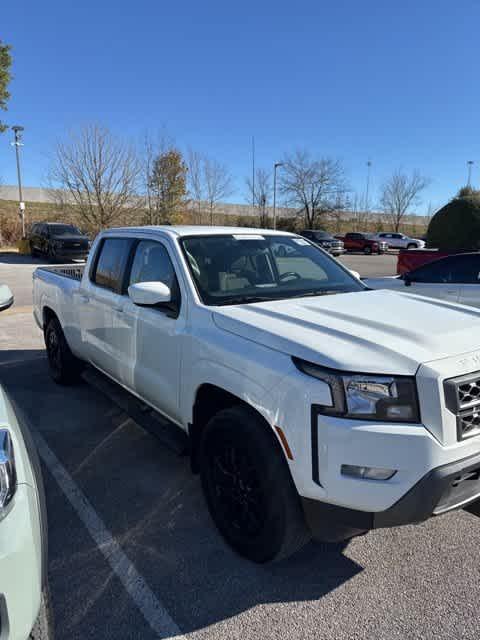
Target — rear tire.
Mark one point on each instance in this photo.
(65, 368)
(43, 628)
(33, 251)
(248, 488)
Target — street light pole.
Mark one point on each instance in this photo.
(369, 166)
(275, 167)
(470, 164)
(17, 129)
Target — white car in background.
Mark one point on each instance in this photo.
(400, 241)
(454, 278)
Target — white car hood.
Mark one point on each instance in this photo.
(371, 331)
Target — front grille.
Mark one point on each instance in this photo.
(462, 397)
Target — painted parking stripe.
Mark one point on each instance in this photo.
(150, 606)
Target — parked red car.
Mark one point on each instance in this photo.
(364, 242)
(411, 259)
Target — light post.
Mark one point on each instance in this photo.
(369, 166)
(17, 129)
(470, 164)
(275, 167)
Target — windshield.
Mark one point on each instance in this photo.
(322, 235)
(64, 230)
(242, 268)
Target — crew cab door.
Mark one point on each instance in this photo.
(148, 360)
(99, 299)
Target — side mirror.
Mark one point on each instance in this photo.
(149, 294)
(355, 274)
(6, 297)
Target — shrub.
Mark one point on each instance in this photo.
(457, 224)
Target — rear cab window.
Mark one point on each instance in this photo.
(110, 263)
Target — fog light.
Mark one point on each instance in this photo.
(367, 473)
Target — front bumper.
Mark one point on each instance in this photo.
(65, 254)
(20, 568)
(451, 486)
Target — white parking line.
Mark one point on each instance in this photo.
(150, 606)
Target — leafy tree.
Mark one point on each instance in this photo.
(457, 224)
(5, 77)
(168, 186)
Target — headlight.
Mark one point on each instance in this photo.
(8, 476)
(365, 396)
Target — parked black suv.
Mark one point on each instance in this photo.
(58, 241)
(324, 240)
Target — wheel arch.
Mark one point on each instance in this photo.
(48, 314)
(209, 400)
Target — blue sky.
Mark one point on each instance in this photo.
(395, 82)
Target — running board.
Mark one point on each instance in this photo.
(161, 428)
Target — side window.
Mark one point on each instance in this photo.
(466, 269)
(111, 263)
(435, 272)
(152, 264)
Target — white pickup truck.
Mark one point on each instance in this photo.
(312, 404)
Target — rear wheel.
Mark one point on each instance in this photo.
(65, 368)
(248, 487)
(33, 251)
(43, 628)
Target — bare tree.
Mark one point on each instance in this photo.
(311, 185)
(218, 183)
(98, 174)
(400, 192)
(195, 182)
(260, 194)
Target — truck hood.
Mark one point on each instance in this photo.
(371, 331)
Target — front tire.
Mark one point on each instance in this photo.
(64, 367)
(51, 253)
(43, 628)
(367, 251)
(248, 487)
(411, 246)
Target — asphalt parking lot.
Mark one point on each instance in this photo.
(133, 553)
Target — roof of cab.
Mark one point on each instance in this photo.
(199, 230)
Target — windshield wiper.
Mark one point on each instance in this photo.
(318, 292)
(245, 300)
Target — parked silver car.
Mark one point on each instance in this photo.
(400, 240)
(24, 598)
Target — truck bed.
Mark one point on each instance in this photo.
(74, 272)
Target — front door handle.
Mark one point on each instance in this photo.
(118, 309)
(83, 298)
